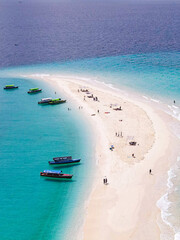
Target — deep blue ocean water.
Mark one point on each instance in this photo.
(132, 46)
(38, 31)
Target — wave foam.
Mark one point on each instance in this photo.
(174, 106)
(174, 111)
(164, 204)
(154, 100)
(177, 236)
(145, 97)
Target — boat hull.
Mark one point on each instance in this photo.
(59, 177)
(61, 163)
(57, 102)
(34, 92)
(10, 88)
(43, 103)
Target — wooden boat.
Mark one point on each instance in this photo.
(55, 174)
(34, 90)
(45, 100)
(10, 86)
(132, 143)
(56, 101)
(117, 109)
(64, 161)
(90, 96)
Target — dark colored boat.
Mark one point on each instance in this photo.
(10, 87)
(132, 143)
(55, 174)
(45, 100)
(117, 109)
(63, 161)
(34, 90)
(56, 101)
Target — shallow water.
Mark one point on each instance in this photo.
(41, 31)
(154, 77)
(31, 135)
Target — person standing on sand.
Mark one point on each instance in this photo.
(150, 171)
(105, 181)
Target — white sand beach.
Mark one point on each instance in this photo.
(125, 208)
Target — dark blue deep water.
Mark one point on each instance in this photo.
(130, 44)
(58, 30)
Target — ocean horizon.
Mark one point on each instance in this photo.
(133, 47)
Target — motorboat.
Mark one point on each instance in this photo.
(64, 161)
(45, 100)
(10, 86)
(34, 90)
(55, 174)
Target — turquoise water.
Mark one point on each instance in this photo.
(156, 74)
(31, 135)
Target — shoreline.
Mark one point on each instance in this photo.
(126, 208)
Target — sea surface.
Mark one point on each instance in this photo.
(154, 77)
(30, 136)
(39, 31)
(132, 46)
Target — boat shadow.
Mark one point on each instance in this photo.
(70, 166)
(59, 180)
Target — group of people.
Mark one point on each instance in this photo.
(117, 134)
(95, 98)
(83, 90)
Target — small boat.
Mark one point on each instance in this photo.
(90, 96)
(64, 161)
(84, 90)
(56, 101)
(34, 90)
(55, 174)
(45, 100)
(117, 109)
(10, 86)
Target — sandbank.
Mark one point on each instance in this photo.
(125, 208)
